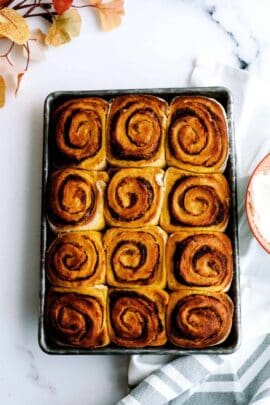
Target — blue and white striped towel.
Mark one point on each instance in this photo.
(242, 377)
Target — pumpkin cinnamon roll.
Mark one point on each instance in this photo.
(137, 317)
(80, 127)
(134, 197)
(199, 319)
(196, 260)
(197, 135)
(75, 200)
(135, 257)
(77, 318)
(76, 259)
(195, 202)
(136, 130)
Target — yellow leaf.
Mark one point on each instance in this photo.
(63, 28)
(2, 92)
(13, 26)
(109, 13)
(19, 78)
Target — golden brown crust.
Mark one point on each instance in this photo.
(76, 200)
(135, 257)
(76, 259)
(197, 135)
(137, 317)
(196, 260)
(134, 197)
(77, 318)
(197, 319)
(195, 202)
(80, 133)
(136, 130)
(138, 135)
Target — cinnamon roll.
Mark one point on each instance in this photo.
(76, 259)
(77, 318)
(135, 257)
(137, 317)
(197, 135)
(75, 200)
(134, 197)
(136, 131)
(196, 260)
(195, 202)
(199, 319)
(80, 133)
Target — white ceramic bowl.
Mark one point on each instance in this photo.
(263, 167)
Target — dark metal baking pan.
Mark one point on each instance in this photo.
(224, 97)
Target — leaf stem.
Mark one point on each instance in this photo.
(28, 55)
(6, 55)
(47, 16)
(8, 51)
(42, 5)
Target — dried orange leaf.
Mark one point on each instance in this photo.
(13, 26)
(19, 79)
(62, 5)
(63, 28)
(109, 13)
(2, 92)
(36, 46)
(4, 3)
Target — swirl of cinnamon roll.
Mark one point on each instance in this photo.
(197, 319)
(80, 133)
(75, 200)
(134, 197)
(137, 317)
(197, 134)
(199, 260)
(136, 131)
(195, 201)
(76, 259)
(135, 257)
(77, 318)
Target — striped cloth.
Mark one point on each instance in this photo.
(242, 377)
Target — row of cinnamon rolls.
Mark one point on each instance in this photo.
(139, 131)
(130, 258)
(134, 318)
(134, 197)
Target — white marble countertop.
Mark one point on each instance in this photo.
(155, 47)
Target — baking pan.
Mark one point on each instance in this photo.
(224, 97)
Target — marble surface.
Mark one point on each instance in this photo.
(155, 47)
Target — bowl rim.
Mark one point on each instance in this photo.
(250, 217)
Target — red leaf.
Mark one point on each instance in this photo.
(61, 5)
(4, 3)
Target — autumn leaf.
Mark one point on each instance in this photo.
(63, 28)
(61, 5)
(36, 46)
(13, 26)
(109, 13)
(19, 78)
(4, 3)
(2, 92)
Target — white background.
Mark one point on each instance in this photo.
(155, 47)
